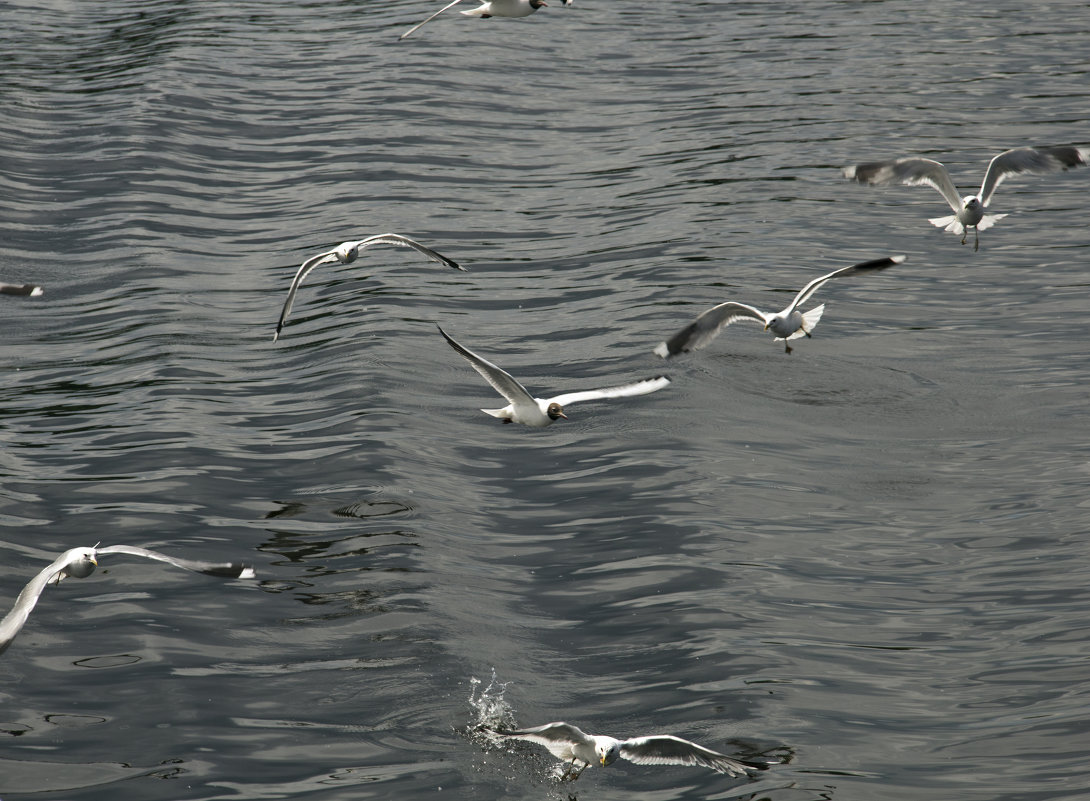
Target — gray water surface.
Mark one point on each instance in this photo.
(869, 556)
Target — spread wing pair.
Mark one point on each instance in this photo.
(348, 252)
(81, 562)
(968, 210)
(786, 325)
(539, 412)
(571, 744)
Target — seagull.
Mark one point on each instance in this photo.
(538, 412)
(568, 742)
(80, 563)
(968, 210)
(24, 290)
(348, 252)
(786, 325)
(495, 8)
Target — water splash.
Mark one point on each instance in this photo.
(489, 709)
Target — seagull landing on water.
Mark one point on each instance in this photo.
(348, 252)
(81, 562)
(969, 210)
(495, 8)
(786, 325)
(572, 745)
(540, 412)
(23, 290)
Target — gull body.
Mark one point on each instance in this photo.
(569, 743)
(23, 290)
(495, 8)
(348, 252)
(81, 562)
(786, 325)
(968, 210)
(540, 412)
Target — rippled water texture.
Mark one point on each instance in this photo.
(870, 554)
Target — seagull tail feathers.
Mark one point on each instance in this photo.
(497, 412)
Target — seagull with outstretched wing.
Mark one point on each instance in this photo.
(348, 252)
(571, 744)
(540, 412)
(968, 210)
(786, 325)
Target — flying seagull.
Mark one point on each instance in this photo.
(570, 744)
(495, 8)
(348, 252)
(81, 562)
(24, 290)
(526, 409)
(786, 325)
(968, 210)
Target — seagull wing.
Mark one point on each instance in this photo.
(665, 749)
(1038, 160)
(405, 242)
(14, 620)
(429, 19)
(625, 390)
(707, 326)
(558, 737)
(907, 172)
(224, 569)
(863, 267)
(304, 271)
(500, 380)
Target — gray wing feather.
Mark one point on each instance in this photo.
(558, 737)
(1036, 160)
(665, 749)
(224, 569)
(707, 326)
(643, 387)
(429, 19)
(863, 267)
(300, 275)
(405, 242)
(907, 172)
(14, 620)
(499, 379)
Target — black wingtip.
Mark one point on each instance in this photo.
(233, 570)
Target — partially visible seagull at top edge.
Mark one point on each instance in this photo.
(540, 412)
(348, 252)
(968, 210)
(494, 8)
(786, 325)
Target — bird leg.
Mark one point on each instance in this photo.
(786, 348)
(976, 245)
(571, 774)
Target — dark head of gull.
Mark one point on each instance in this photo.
(535, 4)
(555, 412)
